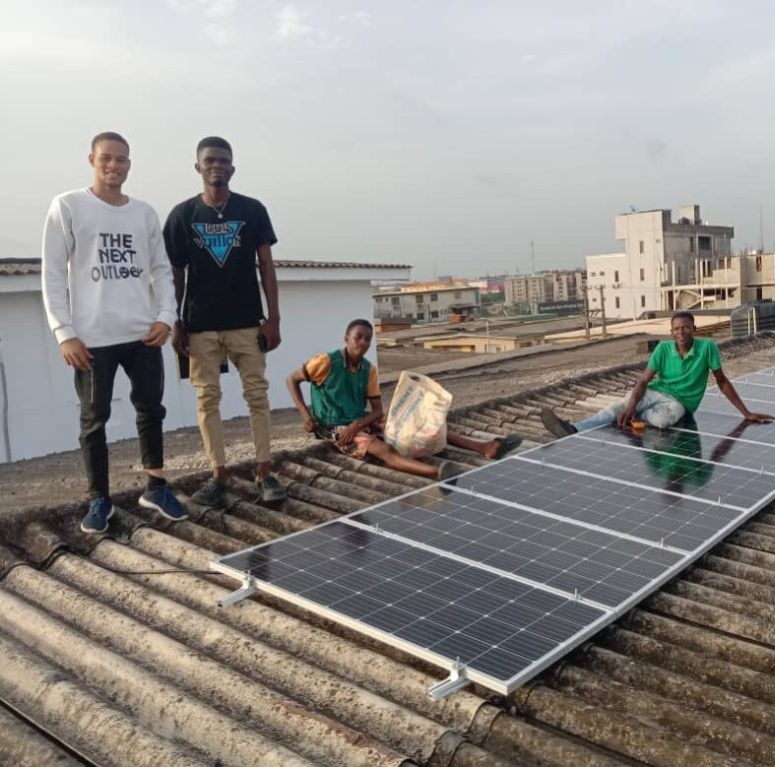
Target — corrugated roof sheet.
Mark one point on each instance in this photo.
(114, 649)
(18, 266)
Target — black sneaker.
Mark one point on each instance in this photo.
(555, 425)
(211, 493)
(270, 490)
(162, 500)
(100, 511)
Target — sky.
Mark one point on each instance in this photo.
(446, 135)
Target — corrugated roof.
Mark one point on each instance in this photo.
(17, 266)
(117, 657)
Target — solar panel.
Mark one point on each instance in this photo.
(687, 452)
(540, 549)
(727, 485)
(439, 608)
(718, 424)
(661, 518)
(750, 391)
(501, 571)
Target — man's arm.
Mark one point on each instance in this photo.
(728, 390)
(373, 416)
(163, 288)
(636, 396)
(293, 382)
(57, 244)
(179, 334)
(271, 328)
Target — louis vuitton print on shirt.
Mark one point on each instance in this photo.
(219, 253)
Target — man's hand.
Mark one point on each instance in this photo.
(158, 334)
(759, 418)
(76, 354)
(347, 434)
(271, 331)
(180, 339)
(626, 416)
(310, 424)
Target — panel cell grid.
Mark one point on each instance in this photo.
(726, 485)
(719, 424)
(598, 566)
(663, 518)
(685, 458)
(496, 625)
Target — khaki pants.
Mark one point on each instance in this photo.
(207, 351)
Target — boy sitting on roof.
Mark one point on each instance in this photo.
(672, 385)
(343, 383)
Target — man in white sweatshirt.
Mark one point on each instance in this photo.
(110, 300)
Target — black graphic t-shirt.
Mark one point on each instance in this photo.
(220, 254)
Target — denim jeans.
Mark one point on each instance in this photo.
(145, 370)
(658, 409)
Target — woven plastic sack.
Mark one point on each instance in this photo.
(417, 420)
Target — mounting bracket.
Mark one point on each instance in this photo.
(455, 682)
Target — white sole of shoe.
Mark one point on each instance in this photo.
(104, 529)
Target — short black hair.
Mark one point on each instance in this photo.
(682, 316)
(355, 323)
(108, 136)
(215, 142)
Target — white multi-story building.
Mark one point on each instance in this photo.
(533, 289)
(665, 265)
(424, 304)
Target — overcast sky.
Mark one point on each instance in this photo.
(446, 134)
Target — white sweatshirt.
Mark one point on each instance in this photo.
(106, 275)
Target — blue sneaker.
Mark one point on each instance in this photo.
(100, 511)
(162, 500)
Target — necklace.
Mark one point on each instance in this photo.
(218, 210)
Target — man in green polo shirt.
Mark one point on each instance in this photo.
(672, 385)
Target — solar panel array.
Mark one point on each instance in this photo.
(499, 572)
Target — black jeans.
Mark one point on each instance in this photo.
(145, 369)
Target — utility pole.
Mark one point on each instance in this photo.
(761, 229)
(586, 313)
(602, 308)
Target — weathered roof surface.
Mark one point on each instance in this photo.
(115, 649)
(17, 266)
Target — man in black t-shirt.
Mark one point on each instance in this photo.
(213, 241)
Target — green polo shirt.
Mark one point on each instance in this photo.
(684, 378)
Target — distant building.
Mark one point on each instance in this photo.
(427, 304)
(667, 266)
(529, 291)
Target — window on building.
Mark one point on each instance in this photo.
(434, 315)
(691, 245)
(616, 276)
(592, 274)
(418, 298)
(642, 275)
(640, 247)
(758, 263)
(602, 274)
(434, 297)
(458, 294)
(703, 243)
(642, 302)
(616, 302)
(420, 315)
(396, 301)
